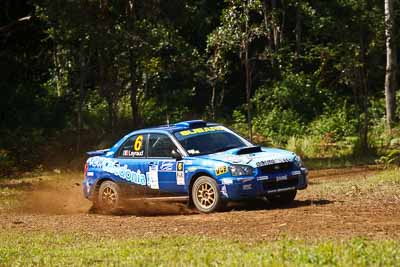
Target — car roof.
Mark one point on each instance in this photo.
(180, 126)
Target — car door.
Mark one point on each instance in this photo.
(168, 172)
(132, 162)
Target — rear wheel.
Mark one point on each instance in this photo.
(282, 198)
(205, 195)
(109, 197)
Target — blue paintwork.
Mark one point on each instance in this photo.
(104, 164)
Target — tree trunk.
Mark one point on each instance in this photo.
(221, 95)
(130, 19)
(365, 40)
(212, 104)
(365, 104)
(391, 65)
(81, 97)
(267, 26)
(137, 123)
(283, 22)
(298, 29)
(248, 94)
(275, 27)
(245, 46)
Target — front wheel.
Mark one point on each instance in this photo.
(205, 195)
(109, 197)
(282, 198)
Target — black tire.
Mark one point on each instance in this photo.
(108, 198)
(282, 198)
(205, 195)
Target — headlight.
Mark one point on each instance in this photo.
(241, 170)
(298, 162)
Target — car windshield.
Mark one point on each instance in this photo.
(208, 140)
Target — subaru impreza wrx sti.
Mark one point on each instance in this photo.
(206, 163)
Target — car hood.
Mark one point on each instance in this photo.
(255, 157)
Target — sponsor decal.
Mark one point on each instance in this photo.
(272, 161)
(90, 174)
(247, 187)
(227, 181)
(166, 166)
(193, 152)
(180, 175)
(281, 190)
(153, 177)
(221, 170)
(296, 173)
(201, 130)
(113, 167)
(129, 153)
(261, 178)
(224, 191)
(245, 180)
(87, 187)
(281, 178)
(242, 159)
(180, 178)
(191, 169)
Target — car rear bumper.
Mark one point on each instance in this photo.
(251, 187)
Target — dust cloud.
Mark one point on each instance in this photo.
(54, 200)
(66, 197)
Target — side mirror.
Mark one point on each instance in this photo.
(176, 155)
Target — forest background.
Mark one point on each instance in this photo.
(315, 77)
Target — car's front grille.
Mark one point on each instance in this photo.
(278, 167)
(269, 185)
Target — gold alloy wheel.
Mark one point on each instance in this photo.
(206, 195)
(109, 197)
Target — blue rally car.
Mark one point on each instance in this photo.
(204, 162)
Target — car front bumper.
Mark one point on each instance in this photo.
(236, 188)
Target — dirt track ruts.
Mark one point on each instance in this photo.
(310, 216)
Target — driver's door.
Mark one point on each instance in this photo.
(162, 166)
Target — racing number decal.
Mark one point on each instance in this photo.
(180, 166)
(180, 175)
(138, 143)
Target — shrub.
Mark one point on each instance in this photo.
(7, 163)
(305, 147)
(334, 125)
(239, 122)
(278, 125)
(392, 157)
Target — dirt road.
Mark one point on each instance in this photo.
(344, 212)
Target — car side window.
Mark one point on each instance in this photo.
(160, 146)
(134, 147)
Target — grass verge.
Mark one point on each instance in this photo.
(385, 184)
(77, 250)
(338, 162)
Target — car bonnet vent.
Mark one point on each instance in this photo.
(192, 124)
(249, 150)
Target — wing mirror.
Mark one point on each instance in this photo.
(176, 155)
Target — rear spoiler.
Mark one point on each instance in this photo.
(98, 152)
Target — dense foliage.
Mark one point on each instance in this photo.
(78, 73)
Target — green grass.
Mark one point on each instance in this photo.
(50, 249)
(385, 183)
(8, 199)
